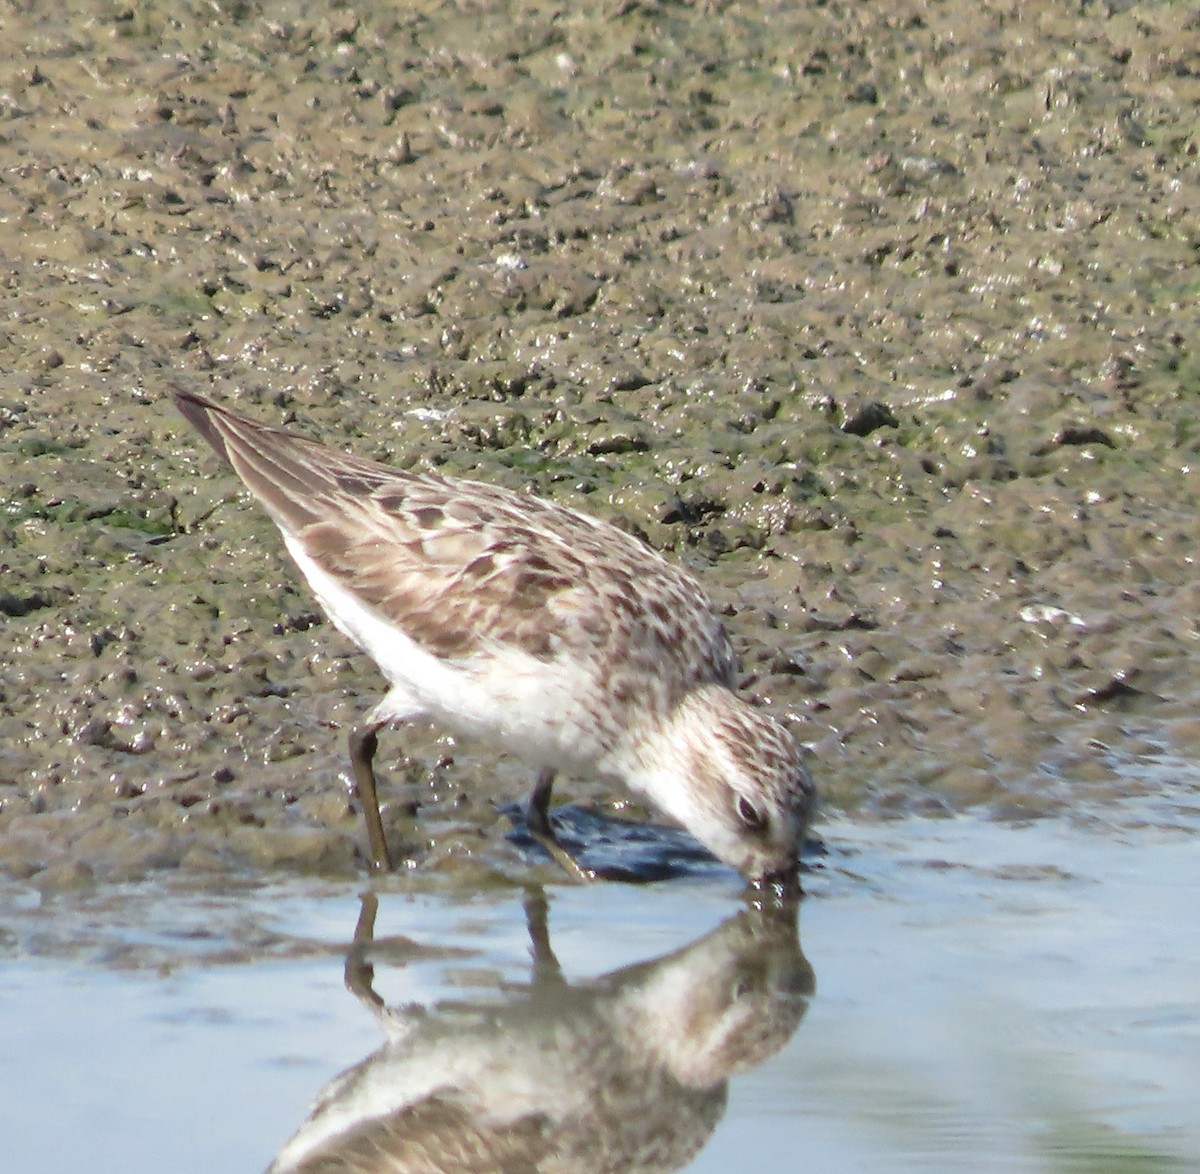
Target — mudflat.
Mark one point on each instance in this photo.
(880, 318)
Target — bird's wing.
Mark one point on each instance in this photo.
(460, 566)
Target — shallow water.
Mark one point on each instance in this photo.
(1015, 997)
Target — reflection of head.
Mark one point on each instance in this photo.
(729, 1001)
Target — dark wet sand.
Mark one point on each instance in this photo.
(882, 317)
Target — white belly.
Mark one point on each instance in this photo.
(544, 712)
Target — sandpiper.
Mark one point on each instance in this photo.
(546, 632)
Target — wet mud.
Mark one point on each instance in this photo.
(880, 317)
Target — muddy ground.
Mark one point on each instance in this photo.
(882, 317)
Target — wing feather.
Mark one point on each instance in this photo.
(463, 567)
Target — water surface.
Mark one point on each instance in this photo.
(1013, 997)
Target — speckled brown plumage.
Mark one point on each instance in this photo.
(553, 634)
(462, 565)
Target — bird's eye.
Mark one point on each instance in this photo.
(750, 815)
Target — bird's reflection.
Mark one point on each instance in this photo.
(626, 1072)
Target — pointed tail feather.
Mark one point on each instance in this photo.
(295, 478)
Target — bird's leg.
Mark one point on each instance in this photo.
(363, 741)
(537, 806)
(537, 819)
